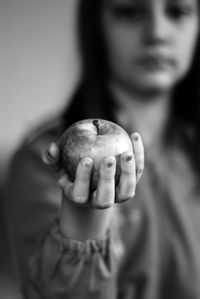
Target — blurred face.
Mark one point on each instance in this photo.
(149, 43)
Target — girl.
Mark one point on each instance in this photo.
(140, 69)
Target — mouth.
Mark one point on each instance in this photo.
(155, 62)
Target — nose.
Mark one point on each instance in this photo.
(157, 29)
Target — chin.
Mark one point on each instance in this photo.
(158, 83)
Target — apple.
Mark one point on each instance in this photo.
(94, 138)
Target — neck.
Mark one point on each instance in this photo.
(145, 114)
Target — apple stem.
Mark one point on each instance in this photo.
(97, 123)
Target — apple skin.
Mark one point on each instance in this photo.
(94, 138)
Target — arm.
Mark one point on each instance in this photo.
(34, 202)
(63, 264)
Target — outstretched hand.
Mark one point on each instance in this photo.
(85, 215)
(132, 165)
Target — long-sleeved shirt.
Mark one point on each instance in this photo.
(151, 250)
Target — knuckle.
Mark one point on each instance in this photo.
(104, 198)
(106, 178)
(126, 192)
(82, 178)
(80, 193)
(106, 175)
(128, 169)
(107, 172)
(129, 173)
(130, 189)
(123, 199)
(102, 205)
(129, 194)
(105, 206)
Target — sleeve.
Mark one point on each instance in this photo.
(66, 268)
(51, 266)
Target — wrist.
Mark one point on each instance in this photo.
(83, 223)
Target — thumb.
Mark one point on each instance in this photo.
(50, 157)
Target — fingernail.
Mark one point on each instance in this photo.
(109, 162)
(87, 163)
(128, 159)
(136, 136)
(52, 151)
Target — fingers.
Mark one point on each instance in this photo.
(132, 166)
(77, 191)
(139, 154)
(127, 183)
(105, 194)
(81, 187)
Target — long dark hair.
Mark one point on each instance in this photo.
(92, 96)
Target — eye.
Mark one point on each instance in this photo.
(179, 11)
(128, 12)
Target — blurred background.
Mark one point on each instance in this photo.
(40, 65)
(39, 68)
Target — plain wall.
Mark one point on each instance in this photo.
(39, 64)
